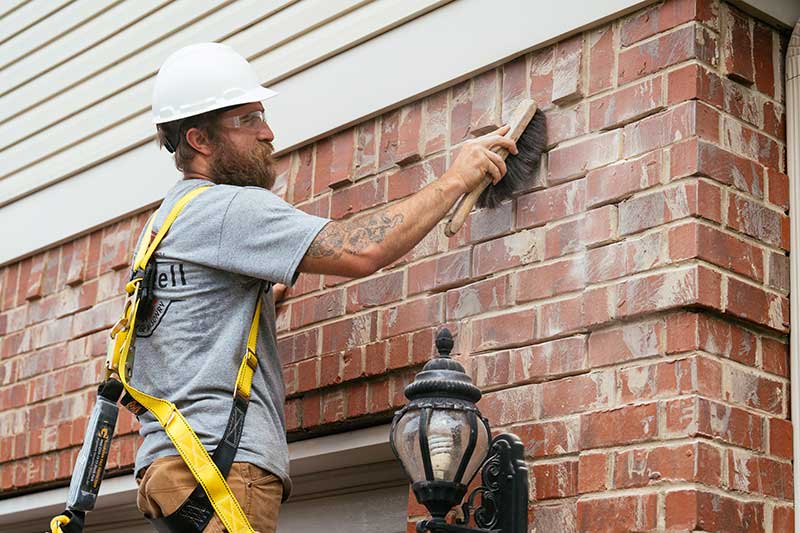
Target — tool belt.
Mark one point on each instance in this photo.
(212, 493)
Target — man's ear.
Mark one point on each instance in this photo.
(198, 140)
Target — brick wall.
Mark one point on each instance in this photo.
(626, 316)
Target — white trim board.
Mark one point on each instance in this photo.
(416, 58)
(307, 458)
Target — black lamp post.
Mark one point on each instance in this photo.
(442, 440)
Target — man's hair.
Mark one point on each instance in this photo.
(174, 132)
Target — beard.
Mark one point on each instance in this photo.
(253, 167)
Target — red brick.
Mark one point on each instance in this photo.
(669, 49)
(576, 395)
(33, 282)
(564, 123)
(334, 161)
(693, 240)
(378, 394)
(548, 360)
(750, 143)
(764, 71)
(753, 303)
(592, 473)
(333, 407)
(626, 105)
(775, 356)
(329, 371)
(116, 250)
(758, 221)
(317, 308)
(555, 480)
(515, 405)
(542, 76)
(298, 346)
(562, 316)
(782, 519)
(695, 157)
(358, 197)
(311, 410)
(567, 72)
(694, 82)
(601, 59)
(730, 424)
(594, 228)
(677, 288)
(625, 343)
(626, 425)
(475, 108)
(9, 286)
(506, 252)
(549, 280)
(356, 398)
(434, 123)
(685, 120)
(514, 84)
(759, 475)
(379, 290)
(477, 298)
(547, 439)
(503, 330)
(484, 224)
(408, 180)
(410, 316)
(680, 201)
(619, 181)
(490, 370)
(553, 203)
(778, 188)
(301, 177)
(701, 375)
(692, 331)
(688, 463)
(440, 272)
(622, 513)
(365, 163)
(778, 272)
(353, 365)
(750, 389)
(690, 510)
(348, 333)
(737, 46)
(774, 120)
(574, 160)
(661, 17)
(780, 437)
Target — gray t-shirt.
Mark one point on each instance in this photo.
(219, 252)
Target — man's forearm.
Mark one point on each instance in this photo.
(389, 233)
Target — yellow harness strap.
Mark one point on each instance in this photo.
(176, 426)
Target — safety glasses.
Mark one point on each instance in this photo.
(253, 120)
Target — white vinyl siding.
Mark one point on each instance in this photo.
(76, 148)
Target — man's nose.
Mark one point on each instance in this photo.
(265, 133)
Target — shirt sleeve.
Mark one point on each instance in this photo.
(264, 237)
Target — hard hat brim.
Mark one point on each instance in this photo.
(258, 94)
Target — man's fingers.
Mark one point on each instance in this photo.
(492, 140)
(498, 161)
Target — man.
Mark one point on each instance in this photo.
(234, 244)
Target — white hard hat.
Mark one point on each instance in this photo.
(203, 77)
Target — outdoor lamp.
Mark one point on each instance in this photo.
(442, 440)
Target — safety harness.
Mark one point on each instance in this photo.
(212, 492)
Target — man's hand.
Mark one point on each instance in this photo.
(476, 160)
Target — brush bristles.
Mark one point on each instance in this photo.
(523, 167)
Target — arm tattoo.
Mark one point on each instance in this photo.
(353, 236)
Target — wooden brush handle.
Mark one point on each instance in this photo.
(519, 121)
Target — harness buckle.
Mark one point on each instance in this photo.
(252, 360)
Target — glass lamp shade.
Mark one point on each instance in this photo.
(445, 433)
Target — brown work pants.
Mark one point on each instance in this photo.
(167, 482)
